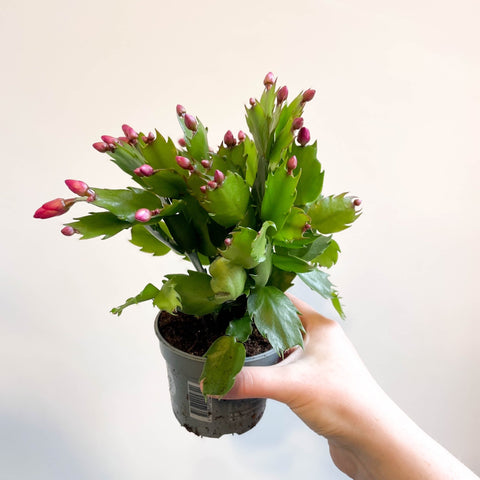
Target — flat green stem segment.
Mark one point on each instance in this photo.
(275, 317)
(225, 358)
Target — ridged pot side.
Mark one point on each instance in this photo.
(212, 418)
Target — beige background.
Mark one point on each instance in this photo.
(83, 394)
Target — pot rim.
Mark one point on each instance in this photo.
(196, 358)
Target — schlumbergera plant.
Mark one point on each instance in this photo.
(250, 217)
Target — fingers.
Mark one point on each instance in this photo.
(308, 315)
(258, 382)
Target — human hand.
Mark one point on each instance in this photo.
(327, 385)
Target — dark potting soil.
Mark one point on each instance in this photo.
(194, 335)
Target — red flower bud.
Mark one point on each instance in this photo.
(190, 122)
(102, 147)
(212, 185)
(55, 207)
(143, 215)
(150, 138)
(109, 139)
(291, 164)
(130, 133)
(308, 95)
(297, 123)
(303, 136)
(218, 177)
(182, 142)
(78, 187)
(203, 188)
(68, 231)
(228, 241)
(269, 80)
(306, 227)
(282, 94)
(123, 139)
(357, 202)
(241, 136)
(181, 110)
(229, 139)
(144, 171)
(184, 162)
(206, 164)
(252, 101)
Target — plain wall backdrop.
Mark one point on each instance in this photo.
(84, 394)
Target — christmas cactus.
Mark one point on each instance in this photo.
(250, 217)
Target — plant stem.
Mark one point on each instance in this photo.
(193, 257)
(159, 235)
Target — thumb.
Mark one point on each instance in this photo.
(258, 382)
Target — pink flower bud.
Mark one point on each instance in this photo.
(303, 136)
(252, 101)
(143, 215)
(109, 139)
(357, 202)
(291, 164)
(182, 142)
(218, 177)
(68, 231)
(102, 147)
(144, 171)
(282, 94)
(181, 110)
(206, 164)
(150, 138)
(184, 163)
(190, 122)
(55, 207)
(123, 139)
(229, 139)
(297, 123)
(78, 187)
(203, 188)
(269, 80)
(308, 95)
(130, 133)
(306, 227)
(228, 241)
(212, 185)
(241, 136)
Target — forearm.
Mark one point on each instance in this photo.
(384, 443)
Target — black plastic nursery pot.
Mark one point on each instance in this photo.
(212, 417)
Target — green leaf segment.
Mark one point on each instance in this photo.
(248, 216)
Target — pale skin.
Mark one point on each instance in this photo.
(327, 385)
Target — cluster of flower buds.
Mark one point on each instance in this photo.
(145, 215)
(81, 188)
(303, 136)
(269, 80)
(145, 170)
(55, 207)
(229, 139)
(291, 164)
(148, 139)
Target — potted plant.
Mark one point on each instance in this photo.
(249, 216)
